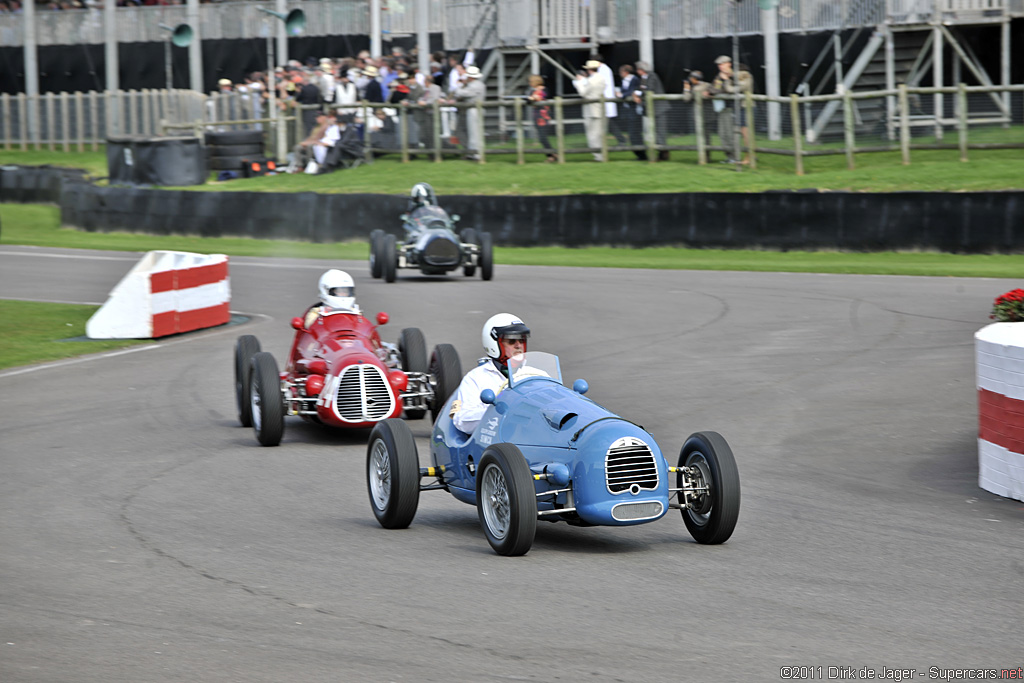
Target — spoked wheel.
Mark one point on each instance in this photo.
(713, 509)
(246, 347)
(506, 500)
(468, 236)
(265, 400)
(393, 474)
(486, 256)
(446, 369)
(376, 238)
(413, 350)
(389, 257)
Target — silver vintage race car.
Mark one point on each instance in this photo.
(430, 243)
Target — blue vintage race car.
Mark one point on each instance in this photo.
(544, 451)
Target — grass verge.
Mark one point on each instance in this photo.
(32, 332)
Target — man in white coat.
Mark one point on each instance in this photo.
(591, 87)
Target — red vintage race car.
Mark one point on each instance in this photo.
(339, 373)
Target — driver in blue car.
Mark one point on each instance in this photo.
(504, 337)
(337, 293)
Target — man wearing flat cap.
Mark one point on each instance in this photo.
(590, 87)
(471, 91)
(728, 84)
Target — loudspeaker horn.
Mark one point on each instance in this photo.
(181, 35)
(294, 21)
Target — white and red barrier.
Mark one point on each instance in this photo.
(166, 292)
(999, 350)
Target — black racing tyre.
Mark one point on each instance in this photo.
(266, 400)
(246, 347)
(389, 257)
(226, 163)
(234, 137)
(412, 348)
(376, 238)
(713, 515)
(393, 474)
(249, 151)
(468, 236)
(506, 500)
(486, 256)
(446, 370)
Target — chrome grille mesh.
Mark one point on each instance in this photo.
(627, 511)
(363, 394)
(441, 252)
(629, 464)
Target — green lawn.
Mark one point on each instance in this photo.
(930, 170)
(35, 333)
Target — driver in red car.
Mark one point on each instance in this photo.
(504, 337)
(337, 293)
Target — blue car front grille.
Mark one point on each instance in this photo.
(629, 466)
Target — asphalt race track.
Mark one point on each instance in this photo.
(145, 536)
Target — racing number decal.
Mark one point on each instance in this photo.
(329, 392)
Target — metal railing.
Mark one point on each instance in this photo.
(900, 120)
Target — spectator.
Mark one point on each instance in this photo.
(541, 114)
(591, 87)
(425, 116)
(729, 84)
(373, 91)
(345, 94)
(470, 92)
(307, 97)
(649, 82)
(309, 153)
(611, 109)
(698, 91)
(325, 81)
(631, 111)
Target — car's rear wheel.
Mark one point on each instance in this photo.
(393, 474)
(486, 256)
(711, 515)
(389, 257)
(246, 347)
(468, 236)
(412, 348)
(265, 399)
(506, 500)
(446, 370)
(376, 237)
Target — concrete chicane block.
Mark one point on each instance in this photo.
(999, 352)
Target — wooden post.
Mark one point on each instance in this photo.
(436, 104)
(604, 130)
(80, 115)
(367, 113)
(748, 103)
(848, 128)
(962, 120)
(403, 131)
(480, 131)
(65, 122)
(798, 142)
(518, 108)
(51, 122)
(698, 128)
(649, 133)
(559, 130)
(5, 116)
(904, 110)
(94, 120)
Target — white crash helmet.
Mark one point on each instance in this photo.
(502, 325)
(338, 290)
(423, 195)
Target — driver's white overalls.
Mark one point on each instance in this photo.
(467, 408)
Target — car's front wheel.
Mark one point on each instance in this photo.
(506, 500)
(446, 370)
(412, 348)
(376, 239)
(265, 399)
(393, 474)
(468, 236)
(713, 509)
(389, 257)
(486, 256)
(246, 347)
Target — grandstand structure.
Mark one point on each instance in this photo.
(806, 47)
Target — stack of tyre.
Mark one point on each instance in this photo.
(226, 150)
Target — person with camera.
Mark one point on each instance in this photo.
(729, 84)
(631, 112)
(649, 81)
(590, 85)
